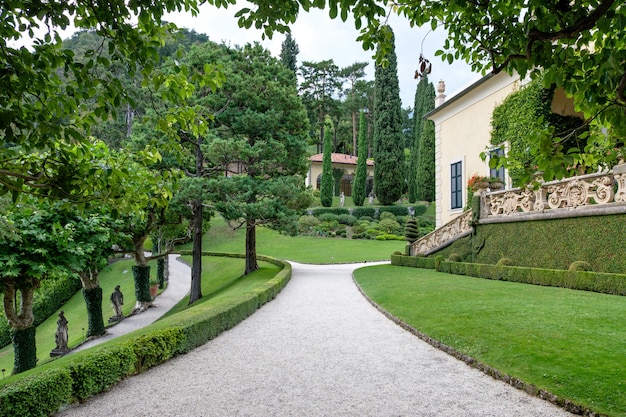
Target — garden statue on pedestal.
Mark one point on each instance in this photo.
(342, 199)
(60, 337)
(117, 301)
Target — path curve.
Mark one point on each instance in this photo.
(318, 349)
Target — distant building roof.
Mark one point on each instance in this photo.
(339, 158)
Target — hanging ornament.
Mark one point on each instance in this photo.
(423, 67)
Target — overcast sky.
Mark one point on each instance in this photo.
(320, 38)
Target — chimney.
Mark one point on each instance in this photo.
(441, 97)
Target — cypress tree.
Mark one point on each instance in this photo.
(418, 118)
(289, 53)
(360, 176)
(426, 162)
(388, 137)
(326, 187)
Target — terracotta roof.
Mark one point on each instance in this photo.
(339, 158)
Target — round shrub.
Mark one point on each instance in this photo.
(347, 219)
(381, 237)
(307, 224)
(389, 226)
(580, 266)
(387, 215)
(366, 218)
(505, 262)
(328, 217)
(397, 253)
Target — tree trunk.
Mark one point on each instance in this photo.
(196, 264)
(251, 263)
(24, 348)
(95, 321)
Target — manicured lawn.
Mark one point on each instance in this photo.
(571, 343)
(303, 249)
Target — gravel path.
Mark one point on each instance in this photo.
(318, 349)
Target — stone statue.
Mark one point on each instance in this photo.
(117, 301)
(61, 337)
(342, 199)
(371, 198)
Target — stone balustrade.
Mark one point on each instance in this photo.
(582, 193)
(443, 236)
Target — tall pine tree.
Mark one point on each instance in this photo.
(326, 187)
(360, 176)
(426, 162)
(388, 137)
(289, 53)
(419, 110)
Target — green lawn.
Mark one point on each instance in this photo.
(303, 249)
(571, 343)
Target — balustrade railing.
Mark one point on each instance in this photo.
(446, 234)
(585, 191)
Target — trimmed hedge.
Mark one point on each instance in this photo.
(601, 282)
(88, 373)
(334, 210)
(359, 212)
(49, 297)
(413, 261)
(395, 210)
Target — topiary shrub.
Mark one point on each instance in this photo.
(411, 230)
(580, 266)
(328, 217)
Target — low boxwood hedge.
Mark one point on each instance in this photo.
(601, 282)
(41, 392)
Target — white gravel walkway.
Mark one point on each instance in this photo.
(318, 349)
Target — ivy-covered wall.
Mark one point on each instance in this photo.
(551, 244)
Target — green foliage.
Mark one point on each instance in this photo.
(289, 53)
(505, 262)
(347, 219)
(413, 261)
(97, 372)
(518, 123)
(157, 347)
(24, 348)
(360, 176)
(36, 396)
(576, 47)
(411, 230)
(388, 146)
(328, 217)
(421, 177)
(395, 210)
(326, 186)
(360, 212)
(307, 224)
(141, 276)
(93, 302)
(387, 215)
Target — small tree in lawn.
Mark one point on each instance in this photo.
(326, 186)
(360, 176)
(388, 137)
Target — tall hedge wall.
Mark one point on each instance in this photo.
(551, 244)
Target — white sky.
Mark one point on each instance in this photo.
(320, 38)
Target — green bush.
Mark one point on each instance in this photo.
(328, 217)
(455, 257)
(307, 224)
(368, 219)
(360, 212)
(347, 219)
(389, 226)
(97, 372)
(413, 261)
(505, 262)
(40, 395)
(387, 215)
